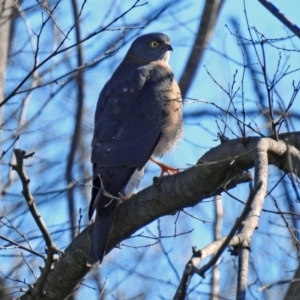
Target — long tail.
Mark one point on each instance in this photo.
(113, 181)
(101, 229)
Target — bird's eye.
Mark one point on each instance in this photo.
(154, 44)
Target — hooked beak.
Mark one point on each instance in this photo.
(169, 47)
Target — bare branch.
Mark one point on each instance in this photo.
(172, 193)
(59, 51)
(206, 26)
(19, 168)
(21, 247)
(280, 16)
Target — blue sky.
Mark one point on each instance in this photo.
(180, 23)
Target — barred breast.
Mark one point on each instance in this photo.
(172, 116)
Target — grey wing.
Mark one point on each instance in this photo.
(127, 121)
(127, 128)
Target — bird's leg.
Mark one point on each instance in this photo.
(126, 197)
(164, 168)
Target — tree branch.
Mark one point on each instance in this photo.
(281, 17)
(251, 214)
(206, 26)
(168, 195)
(58, 50)
(19, 168)
(51, 247)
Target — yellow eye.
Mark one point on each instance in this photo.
(154, 44)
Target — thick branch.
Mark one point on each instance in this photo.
(206, 26)
(251, 214)
(167, 195)
(216, 249)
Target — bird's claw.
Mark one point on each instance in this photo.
(165, 168)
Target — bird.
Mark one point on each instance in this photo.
(138, 115)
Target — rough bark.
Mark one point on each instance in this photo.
(221, 167)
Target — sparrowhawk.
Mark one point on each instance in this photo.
(139, 114)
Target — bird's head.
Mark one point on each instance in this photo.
(151, 47)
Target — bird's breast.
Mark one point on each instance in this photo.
(171, 130)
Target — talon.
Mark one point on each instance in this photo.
(127, 197)
(165, 168)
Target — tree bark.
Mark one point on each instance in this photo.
(6, 18)
(222, 167)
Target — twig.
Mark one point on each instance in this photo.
(202, 220)
(19, 168)
(161, 236)
(279, 282)
(50, 13)
(227, 112)
(21, 247)
(166, 253)
(142, 246)
(17, 230)
(28, 266)
(15, 280)
(297, 243)
(58, 50)
(79, 221)
(5, 151)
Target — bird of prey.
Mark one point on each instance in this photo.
(139, 114)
